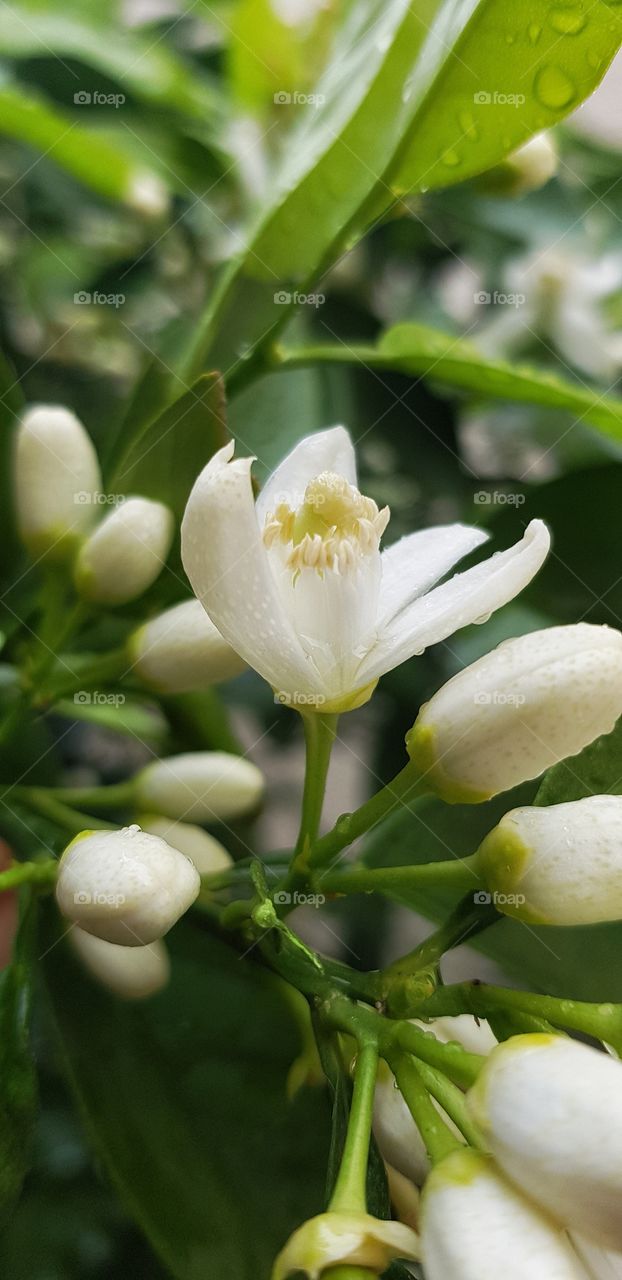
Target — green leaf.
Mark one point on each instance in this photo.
(389, 116)
(184, 1099)
(596, 771)
(97, 162)
(420, 351)
(163, 458)
(148, 68)
(18, 1082)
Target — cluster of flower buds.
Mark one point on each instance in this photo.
(57, 488)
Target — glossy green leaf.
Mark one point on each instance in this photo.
(148, 68)
(163, 459)
(184, 1099)
(420, 351)
(100, 164)
(18, 1084)
(396, 67)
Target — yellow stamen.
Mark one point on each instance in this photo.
(334, 525)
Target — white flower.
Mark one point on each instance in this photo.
(560, 864)
(204, 786)
(125, 553)
(180, 650)
(207, 854)
(528, 704)
(476, 1226)
(399, 1140)
(130, 972)
(56, 480)
(353, 1239)
(551, 1111)
(125, 886)
(297, 584)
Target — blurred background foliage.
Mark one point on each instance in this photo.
(136, 139)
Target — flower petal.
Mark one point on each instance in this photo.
(412, 565)
(330, 450)
(466, 598)
(227, 565)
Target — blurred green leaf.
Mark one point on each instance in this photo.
(96, 161)
(163, 459)
(18, 1082)
(389, 115)
(184, 1099)
(149, 68)
(420, 351)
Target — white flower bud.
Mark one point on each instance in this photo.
(560, 864)
(551, 1111)
(129, 972)
(125, 886)
(56, 479)
(180, 650)
(526, 169)
(200, 786)
(207, 854)
(515, 712)
(399, 1140)
(475, 1226)
(126, 552)
(350, 1239)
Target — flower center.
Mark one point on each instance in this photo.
(331, 529)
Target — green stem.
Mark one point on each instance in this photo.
(458, 872)
(29, 873)
(66, 817)
(468, 919)
(118, 796)
(320, 731)
(404, 788)
(601, 1021)
(451, 1099)
(438, 1138)
(100, 668)
(349, 1195)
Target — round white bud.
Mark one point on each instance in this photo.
(476, 1226)
(181, 650)
(550, 1109)
(559, 864)
(125, 886)
(200, 786)
(133, 973)
(126, 552)
(56, 480)
(207, 854)
(533, 701)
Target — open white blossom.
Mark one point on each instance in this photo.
(297, 585)
(550, 1109)
(476, 1226)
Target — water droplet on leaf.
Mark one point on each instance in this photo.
(566, 22)
(554, 88)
